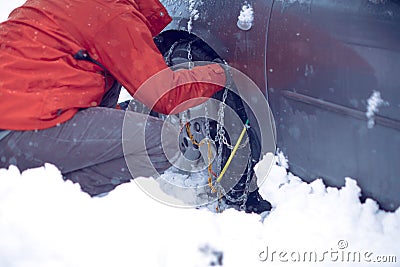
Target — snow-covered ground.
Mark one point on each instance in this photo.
(47, 222)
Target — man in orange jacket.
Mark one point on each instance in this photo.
(61, 66)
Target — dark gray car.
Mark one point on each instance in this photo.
(330, 72)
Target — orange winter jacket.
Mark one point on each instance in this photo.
(42, 84)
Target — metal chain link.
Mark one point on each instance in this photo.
(243, 145)
(190, 56)
(167, 57)
(220, 129)
(220, 137)
(243, 198)
(221, 112)
(184, 118)
(247, 184)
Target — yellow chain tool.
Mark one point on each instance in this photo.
(190, 135)
(209, 156)
(235, 148)
(210, 172)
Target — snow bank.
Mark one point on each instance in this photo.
(315, 218)
(45, 221)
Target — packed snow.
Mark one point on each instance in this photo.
(48, 222)
(246, 17)
(374, 102)
(193, 13)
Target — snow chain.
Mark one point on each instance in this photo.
(220, 138)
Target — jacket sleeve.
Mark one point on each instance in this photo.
(155, 13)
(126, 48)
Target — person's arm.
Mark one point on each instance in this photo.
(155, 13)
(126, 48)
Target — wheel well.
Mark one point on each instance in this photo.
(179, 40)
